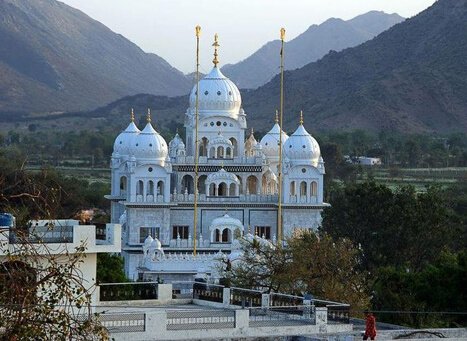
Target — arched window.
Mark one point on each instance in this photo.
(234, 145)
(150, 188)
(212, 152)
(139, 187)
(252, 184)
(212, 189)
(188, 184)
(303, 189)
(160, 187)
(292, 188)
(314, 188)
(225, 235)
(203, 147)
(222, 189)
(228, 152)
(123, 185)
(218, 236)
(233, 189)
(220, 152)
(202, 184)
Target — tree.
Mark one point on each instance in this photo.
(42, 295)
(110, 269)
(309, 263)
(400, 228)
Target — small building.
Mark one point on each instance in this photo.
(59, 237)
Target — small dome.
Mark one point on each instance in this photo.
(156, 244)
(270, 141)
(302, 147)
(124, 140)
(251, 142)
(175, 145)
(148, 241)
(270, 176)
(220, 140)
(149, 144)
(222, 176)
(226, 221)
(216, 92)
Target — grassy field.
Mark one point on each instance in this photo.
(420, 178)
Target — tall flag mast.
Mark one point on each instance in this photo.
(195, 213)
(279, 210)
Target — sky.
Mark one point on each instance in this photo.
(166, 27)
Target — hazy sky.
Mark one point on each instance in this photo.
(166, 27)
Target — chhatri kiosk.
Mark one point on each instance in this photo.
(153, 192)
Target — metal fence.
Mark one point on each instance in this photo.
(208, 292)
(281, 316)
(200, 319)
(245, 297)
(128, 291)
(277, 299)
(338, 314)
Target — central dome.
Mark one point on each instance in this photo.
(216, 93)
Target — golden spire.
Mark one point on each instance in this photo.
(132, 115)
(148, 117)
(277, 117)
(198, 31)
(301, 117)
(282, 33)
(216, 45)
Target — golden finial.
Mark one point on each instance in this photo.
(282, 33)
(132, 115)
(148, 117)
(198, 30)
(216, 45)
(301, 117)
(277, 116)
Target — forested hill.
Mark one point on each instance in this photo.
(314, 43)
(54, 57)
(411, 78)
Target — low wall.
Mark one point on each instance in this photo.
(156, 329)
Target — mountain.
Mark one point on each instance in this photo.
(410, 78)
(55, 58)
(311, 45)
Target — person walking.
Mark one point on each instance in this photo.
(370, 326)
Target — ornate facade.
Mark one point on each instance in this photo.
(152, 192)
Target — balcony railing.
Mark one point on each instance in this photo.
(128, 291)
(42, 234)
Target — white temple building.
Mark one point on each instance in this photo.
(152, 190)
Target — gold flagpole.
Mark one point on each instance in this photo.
(279, 211)
(195, 213)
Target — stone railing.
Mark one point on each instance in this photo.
(204, 160)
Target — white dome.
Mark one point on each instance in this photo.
(220, 140)
(124, 140)
(226, 221)
(148, 241)
(156, 244)
(216, 92)
(270, 141)
(148, 144)
(251, 142)
(175, 144)
(222, 176)
(302, 147)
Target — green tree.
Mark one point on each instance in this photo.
(110, 269)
